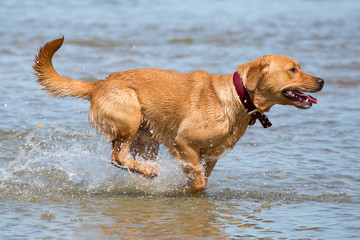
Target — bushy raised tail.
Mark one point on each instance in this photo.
(57, 85)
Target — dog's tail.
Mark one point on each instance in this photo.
(57, 85)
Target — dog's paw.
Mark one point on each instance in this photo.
(189, 188)
(144, 168)
(149, 171)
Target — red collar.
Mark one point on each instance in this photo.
(248, 104)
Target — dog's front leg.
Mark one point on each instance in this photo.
(209, 166)
(190, 163)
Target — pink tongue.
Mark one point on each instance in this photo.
(311, 98)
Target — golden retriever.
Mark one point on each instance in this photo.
(198, 116)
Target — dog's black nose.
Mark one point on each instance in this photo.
(320, 81)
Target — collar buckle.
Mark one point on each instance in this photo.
(253, 112)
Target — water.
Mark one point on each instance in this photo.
(296, 180)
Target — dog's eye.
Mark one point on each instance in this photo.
(294, 70)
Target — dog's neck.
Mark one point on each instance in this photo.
(245, 99)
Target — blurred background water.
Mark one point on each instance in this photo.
(296, 180)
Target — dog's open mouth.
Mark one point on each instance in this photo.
(300, 99)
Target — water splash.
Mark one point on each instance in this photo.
(52, 161)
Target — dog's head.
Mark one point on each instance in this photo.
(275, 79)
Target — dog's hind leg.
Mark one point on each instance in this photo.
(144, 146)
(116, 112)
(119, 158)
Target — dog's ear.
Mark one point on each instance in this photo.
(252, 76)
(256, 71)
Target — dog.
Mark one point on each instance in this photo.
(198, 116)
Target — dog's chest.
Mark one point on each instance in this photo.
(220, 147)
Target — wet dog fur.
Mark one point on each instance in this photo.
(198, 116)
